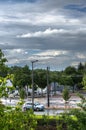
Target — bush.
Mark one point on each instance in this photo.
(17, 120)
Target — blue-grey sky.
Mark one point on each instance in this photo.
(50, 31)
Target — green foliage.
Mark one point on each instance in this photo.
(70, 76)
(17, 120)
(61, 123)
(22, 93)
(82, 104)
(66, 80)
(40, 78)
(53, 76)
(81, 67)
(66, 94)
(84, 81)
(22, 76)
(70, 70)
(13, 118)
(74, 120)
(80, 122)
(3, 86)
(46, 122)
(3, 67)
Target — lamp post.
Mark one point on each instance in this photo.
(33, 83)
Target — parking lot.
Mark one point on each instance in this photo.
(57, 104)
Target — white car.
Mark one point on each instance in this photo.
(13, 93)
(37, 106)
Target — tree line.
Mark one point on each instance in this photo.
(22, 76)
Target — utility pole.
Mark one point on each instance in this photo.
(48, 103)
(33, 83)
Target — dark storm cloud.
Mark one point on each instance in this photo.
(47, 30)
(76, 7)
(64, 39)
(9, 1)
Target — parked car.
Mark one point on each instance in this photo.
(13, 93)
(37, 106)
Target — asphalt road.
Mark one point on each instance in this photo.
(49, 112)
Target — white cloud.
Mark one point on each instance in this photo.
(52, 53)
(16, 51)
(75, 63)
(45, 33)
(50, 32)
(81, 56)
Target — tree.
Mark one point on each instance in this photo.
(84, 81)
(66, 80)
(70, 70)
(3, 86)
(80, 67)
(66, 95)
(3, 67)
(22, 76)
(40, 78)
(73, 76)
(82, 104)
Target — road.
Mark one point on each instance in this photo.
(49, 112)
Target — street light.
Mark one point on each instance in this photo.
(33, 84)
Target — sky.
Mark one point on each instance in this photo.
(50, 31)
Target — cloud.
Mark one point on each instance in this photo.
(47, 32)
(52, 31)
(81, 56)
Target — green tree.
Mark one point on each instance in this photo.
(73, 120)
(84, 81)
(72, 76)
(66, 95)
(82, 104)
(22, 79)
(3, 67)
(70, 70)
(40, 78)
(14, 119)
(22, 76)
(66, 80)
(22, 93)
(3, 86)
(80, 67)
(53, 76)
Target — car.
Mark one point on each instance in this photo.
(13, 93)
(38, 107)
(29, 105)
